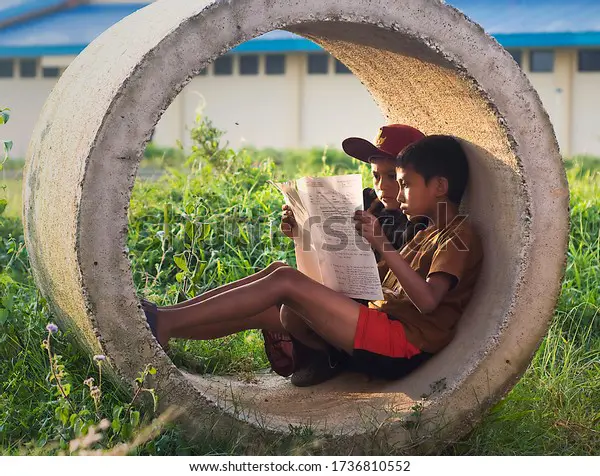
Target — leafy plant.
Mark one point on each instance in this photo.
(6, 147)
(6, 144)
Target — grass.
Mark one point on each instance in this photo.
(555, 407)
(198, 226)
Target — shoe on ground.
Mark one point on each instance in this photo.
(318, 368)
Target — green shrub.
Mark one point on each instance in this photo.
(211, 222)
(159, 157)
(5, 147)
(315, 161)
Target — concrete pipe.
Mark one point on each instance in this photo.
(425, 64)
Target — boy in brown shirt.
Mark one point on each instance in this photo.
(426, 289)
(430, 281)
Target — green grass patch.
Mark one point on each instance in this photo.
(555, 408)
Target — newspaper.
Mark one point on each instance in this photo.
(328, 248)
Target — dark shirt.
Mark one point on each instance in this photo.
(394, 224)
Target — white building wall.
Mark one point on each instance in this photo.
(586, 113)
(555, 91)
(295, 110)
(260, 110)
(298, 110)
(572, 99)
(334, 107)
(25, 97)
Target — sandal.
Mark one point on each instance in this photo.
(280, 353)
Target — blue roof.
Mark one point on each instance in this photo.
(509, 17)
(11, 9)
(536, 23)
(514, 23)
(66, 32)
(277, 41)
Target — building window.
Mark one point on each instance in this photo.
(341, 68)
(7, 68)
(589, 60)
(50, 72)
(318, 63)
(28, 68)
(248, 65)
(275, 64)
(541, 61)
(517, 56)
(224, 66)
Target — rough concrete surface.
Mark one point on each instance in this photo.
(426, 65)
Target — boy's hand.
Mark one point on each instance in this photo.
(368, 227)
(288, 226)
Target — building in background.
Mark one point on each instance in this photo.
(281, 90)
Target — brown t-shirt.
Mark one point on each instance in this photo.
(455, 250)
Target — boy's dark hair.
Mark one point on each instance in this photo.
(440, 156)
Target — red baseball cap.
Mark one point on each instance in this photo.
(390, 141)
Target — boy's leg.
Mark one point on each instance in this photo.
(314, 359)
(294, 324)
(226, 287)
(267, 320)
(331, 315)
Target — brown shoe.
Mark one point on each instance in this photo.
(314, 366)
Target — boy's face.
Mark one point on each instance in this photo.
(384, 181)
(417, 198)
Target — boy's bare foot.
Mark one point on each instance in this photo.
(155, 322)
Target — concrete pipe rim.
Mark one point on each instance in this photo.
(112, 97)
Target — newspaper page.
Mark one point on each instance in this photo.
(328, 247)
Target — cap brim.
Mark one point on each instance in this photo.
(362, 149)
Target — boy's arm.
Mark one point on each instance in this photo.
(382, 269)
(425, 294)
(288, 224)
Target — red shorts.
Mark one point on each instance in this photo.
(377, 333)
(381, 348)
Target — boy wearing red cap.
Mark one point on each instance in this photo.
(288, 354)
(382, 200)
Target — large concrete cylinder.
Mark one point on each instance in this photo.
(426, 65)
